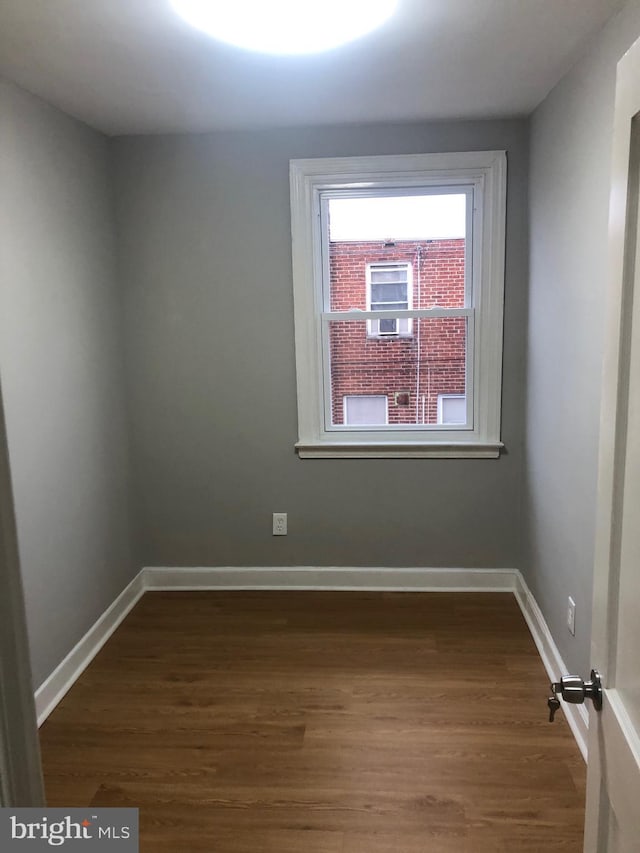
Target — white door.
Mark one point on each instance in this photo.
(613, 783)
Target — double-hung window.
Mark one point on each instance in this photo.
(398, 267)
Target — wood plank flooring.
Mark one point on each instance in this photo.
(313, 722)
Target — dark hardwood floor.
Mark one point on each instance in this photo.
(312, 722)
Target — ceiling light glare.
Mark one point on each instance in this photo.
(286, 26)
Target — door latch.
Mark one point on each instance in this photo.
(575, 690)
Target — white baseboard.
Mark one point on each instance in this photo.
(66, 673)
(331, 578)
(577, 715)
(310, 578)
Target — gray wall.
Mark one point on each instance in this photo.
(205, 254)
(571, 134)
(62, 372)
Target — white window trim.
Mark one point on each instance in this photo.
(486, 172)
(372, 324)
(369, 397)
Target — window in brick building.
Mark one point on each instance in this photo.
(362, 410)
(452, 408)
(398, 286)
(388, 287)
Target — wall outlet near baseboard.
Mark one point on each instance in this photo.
(571, 616)
(279, 523)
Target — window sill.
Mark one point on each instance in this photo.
(399, 450)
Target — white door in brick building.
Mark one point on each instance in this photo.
(613, 786)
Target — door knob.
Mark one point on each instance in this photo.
(575, 690)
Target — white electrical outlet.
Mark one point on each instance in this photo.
(571, 616)
(279, 523)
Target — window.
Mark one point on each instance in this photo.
(365, 411)
(452, 408)
(398, 266)
(388, 286)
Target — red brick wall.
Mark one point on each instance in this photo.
(430, 361)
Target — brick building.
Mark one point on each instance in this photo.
(397, 371)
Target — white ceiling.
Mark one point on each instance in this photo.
(131, 66)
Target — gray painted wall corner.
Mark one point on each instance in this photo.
(62, 373)
(571, 135)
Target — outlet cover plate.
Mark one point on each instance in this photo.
(279, 523)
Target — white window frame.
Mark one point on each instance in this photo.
(373, 326)
(483, 175)
(441, 399)
(368, 397)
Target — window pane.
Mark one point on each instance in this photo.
(388, 306)
(410, 372)
(389, 293)
(384, 276)
(386, 242)
(365, 411)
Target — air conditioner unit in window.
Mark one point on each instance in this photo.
(388, 327)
